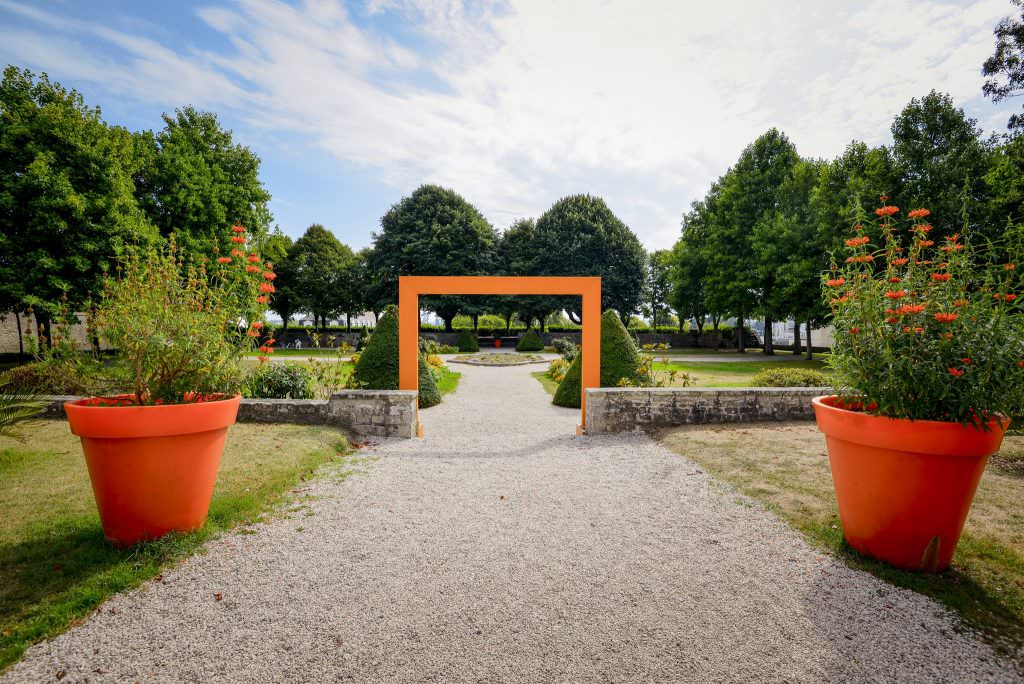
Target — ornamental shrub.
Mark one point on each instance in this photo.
(621, 364)
(46, 377)
(377, 367)
(467, 342)
(279, 381)
(790, 377)
(530, 342)
(566, 348)
(927, 331)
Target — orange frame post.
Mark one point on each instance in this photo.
(411, 287)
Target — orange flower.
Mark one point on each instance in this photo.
(945, 317)
(927, 243)
(263, 359)
(266, 349)
(918, 213)
(883, 198)
(1010, 297)
(263, 299)
(1021, 363)
(858, 227)
(960, 302)
(837, 282)
(954, 372)
(238, 229)
(894, 280)
(238, 239)
(924, 228)
(256, 324)
(946, 336)
(892, 319)
(252, 269)
(911, 309)
(267, 287)
(919, 330)
(839, 300)
(886, 211)
(854, 330)
(269, 275)
(862, 259)
(1009, 267)
(941, 277)
(252, 332)
(237, 252)
(900, 261)
(858, 241)
(966, 360)
(896, 294)
(224, 260)
(253, 258)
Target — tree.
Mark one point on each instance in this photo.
(275, 250)
(1005, 182)
(433, 231)
(66, 195)
(517, 253)
(689, 263)
(1005, 68)
(580, 236)
(938, 152)
(316, 266)
(659, 284)
(197, 182)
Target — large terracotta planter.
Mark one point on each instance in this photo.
(152, 467)
(904, 487)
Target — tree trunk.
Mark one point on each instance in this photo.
(769, 343)
(700, 325)
(715, 320)
(797, 346)
(476, 322)
(810, 349)
(348, 322)
(376, 318)
(21, 341)
(680, 325)
(448, 324)
(741, 346)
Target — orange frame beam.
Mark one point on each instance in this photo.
(411, 287)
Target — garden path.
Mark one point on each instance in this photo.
(502, 547)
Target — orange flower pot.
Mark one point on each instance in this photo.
(904, 487)
(152, 467)
(497, 342)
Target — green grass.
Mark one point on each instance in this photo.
(785, 467)
(729, 373)
(307, 352)
(56, 567)
(549, 385)
(448, 382)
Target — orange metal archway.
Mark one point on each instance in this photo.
(411, 287)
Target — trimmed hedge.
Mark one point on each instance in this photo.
(377, 367)
(790, 377)
(279, 381)
(467, 342)
(619, 360)
(530, 342)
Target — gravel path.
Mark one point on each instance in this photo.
(501, 547)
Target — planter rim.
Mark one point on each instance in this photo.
(925, 436)
(126, 422)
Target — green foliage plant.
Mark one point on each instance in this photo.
(467, 341)
(926, 329)
(377, 366)
(181, 329)
(790, 377)
(621, 364)
(279, 381)
(530, 342)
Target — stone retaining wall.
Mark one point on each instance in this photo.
(645, 409)
(363, 413)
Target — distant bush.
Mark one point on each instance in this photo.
(467, 342)
(279, 381)
(377, 366)
(530, 342)
(46, 377)
(790, 377)
(557, 369)
(566, 348)
(621, 364)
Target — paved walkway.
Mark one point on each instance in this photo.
(501, 547)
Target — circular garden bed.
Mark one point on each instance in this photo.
(498, 359)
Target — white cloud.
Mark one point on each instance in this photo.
(516, 105)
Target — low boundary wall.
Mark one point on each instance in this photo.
(645, 409)
(362, 413)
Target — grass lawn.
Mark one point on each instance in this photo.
(728, 373)
(448, 382)
(785, 467)
(550, 386)
(56, 568)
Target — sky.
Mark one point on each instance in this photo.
(352, 105)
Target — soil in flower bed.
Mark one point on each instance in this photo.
(786, 468)
(498, 359)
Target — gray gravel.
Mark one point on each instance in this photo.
(503, 548)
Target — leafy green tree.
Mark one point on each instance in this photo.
(433, 231)
(1005, 182)
(938, 153)
(315, 273)
(66, 195)
(1005, 68)
(749, 190)
(580, 236)
(197, 182)
(275, 250)
(689, 264)
(659, 285)
(517, 253)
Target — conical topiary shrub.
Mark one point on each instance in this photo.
(530, 342)
(378, 364)
(619, 360)
(466, 341)
(568, 392)
(429, 395)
